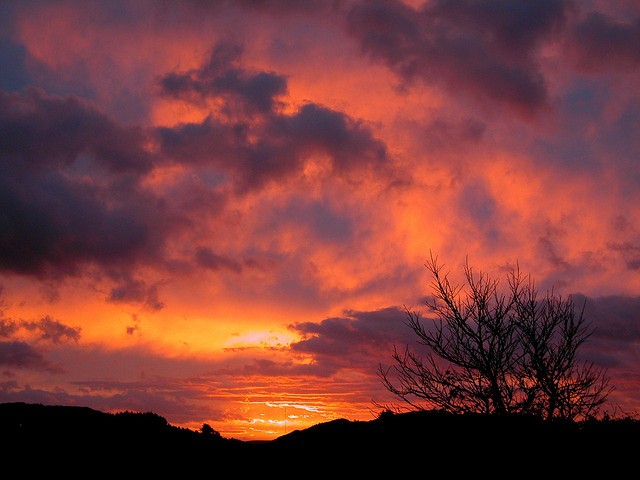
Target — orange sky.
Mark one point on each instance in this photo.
(216, 210)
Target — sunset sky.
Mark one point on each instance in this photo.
(217, 210)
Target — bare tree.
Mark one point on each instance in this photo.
(494, 352)
(551, 331)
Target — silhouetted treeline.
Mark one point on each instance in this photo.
(49, 439)
(68, 438)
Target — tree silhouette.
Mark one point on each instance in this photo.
(209, 431)
(497, 352)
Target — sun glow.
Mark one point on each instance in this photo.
(264, 339)
(266, 420)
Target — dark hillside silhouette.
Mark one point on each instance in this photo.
(62, 437)
(80, 442)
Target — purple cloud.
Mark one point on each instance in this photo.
(483, 49)
(615, 317)
(208, 259)
(248, 152)
(69, 189)
(40, 132)
(222, 77)
(8, 327)
(600, 43)
(444, 134)
(630, 254)
(129, 289)
(17, 354)
(357, 339)
(515, 28)
(52, 330)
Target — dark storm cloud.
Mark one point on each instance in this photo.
(8, 327)
(46, 132)
(600, 43)
(548, 251)
(586, 108)
(261, 144)
(222, 77)
(129, 289)
(279, 7)
(53, 330)
(208, 141)
(485, 49)
(13, 74)
(516, 27)
(615, 323)
(615, 317)
(206, 258)
(357, 335)
(315, 128)
(621, 137)
(276, 149)
(49, 329)
(630, 254)
(443, 134)
(318, 218)
(22, 355)
(479, 207)
(50, 225)
(283, 6)
(268, 367)
(69, 191)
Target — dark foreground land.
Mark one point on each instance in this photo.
(80, 442)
